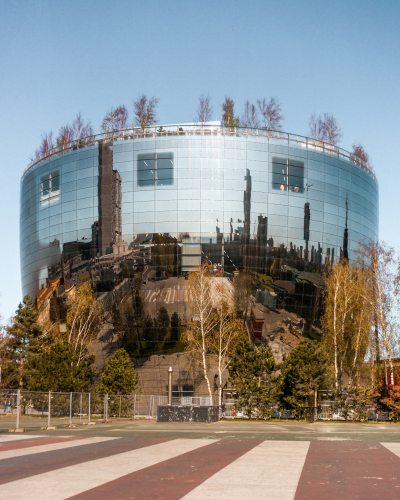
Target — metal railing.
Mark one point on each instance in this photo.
(281, 138)
(191, 401)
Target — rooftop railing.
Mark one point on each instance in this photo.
(282, 138)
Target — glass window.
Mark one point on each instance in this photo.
(155, 169)
(49, 188)
(287, 175)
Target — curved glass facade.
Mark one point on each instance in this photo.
(162, 203)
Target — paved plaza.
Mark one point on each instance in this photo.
(226, 460)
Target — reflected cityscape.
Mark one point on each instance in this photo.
(134, 217)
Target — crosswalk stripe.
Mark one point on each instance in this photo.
(28, 443)
(68, 481)
(174, 478)
(19, 468)
(269, 471)
(393, 447)
(7, 438)
(53, 446)
(350, 469)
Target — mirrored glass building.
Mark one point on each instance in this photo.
(151, 206)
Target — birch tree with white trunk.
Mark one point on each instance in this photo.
(200, 329)
(383, 265)
(227, 331)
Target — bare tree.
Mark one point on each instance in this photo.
(46, 144)
(325, 128)
(271, 113)
(200, 329)
(83, 318)
(65, 135)
(317, 128)
(80, 129)
(115, 120)
(383, 266)
(228, 328)
(204, 110)
(340, 297)
(144, 110)
(362, 321)
(250, 116)
(333, 131)
(359, 152)
(228, 114)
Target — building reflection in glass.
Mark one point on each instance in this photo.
(133, 217)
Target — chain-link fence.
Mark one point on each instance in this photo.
(29, 409)
(33, 410)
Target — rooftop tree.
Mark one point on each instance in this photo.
(317, 128)
(333, 131)
(250, 116)
(271, 113)
(359, 152)
(228, 116)
(116, 119)
(46, 144)
(325, 128)
(79, 130)
(144, 109)
(204, 110)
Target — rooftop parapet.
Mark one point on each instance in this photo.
(206, 130)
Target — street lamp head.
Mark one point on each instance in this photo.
(170, 369)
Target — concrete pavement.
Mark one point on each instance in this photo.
(226, 460)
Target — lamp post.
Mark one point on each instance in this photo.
(170, 386)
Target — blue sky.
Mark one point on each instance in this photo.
(59, 58)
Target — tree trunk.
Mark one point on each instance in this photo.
(219, 382)
(391, 370)
(204, 359)
(316, 405)
(207, 379)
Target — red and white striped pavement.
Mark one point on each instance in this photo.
(38, 467)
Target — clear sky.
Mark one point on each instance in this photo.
(61, 57)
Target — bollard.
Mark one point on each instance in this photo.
(49, 410)
(89, 407)
(18, 406)
(170, 386)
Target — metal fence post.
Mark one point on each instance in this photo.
(120, 401)
(49, 410)
(134, 407)
(18, 406)
(170, 386)
(105, 407)
(80, 410)
(70, 408)
(89, 406)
